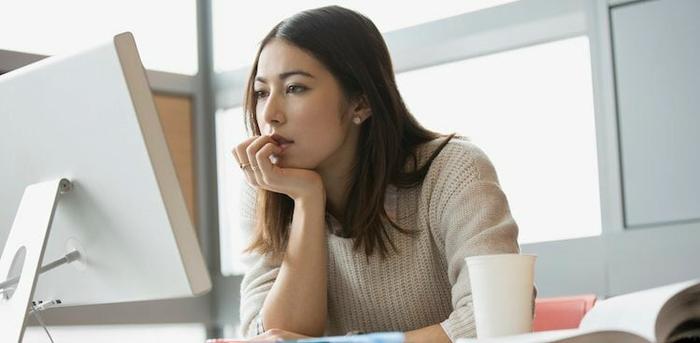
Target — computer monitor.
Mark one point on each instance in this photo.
(90, 118)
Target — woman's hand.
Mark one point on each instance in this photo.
(253, 155)
(275, 335)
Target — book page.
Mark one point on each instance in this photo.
(635, 312)
(674, 316)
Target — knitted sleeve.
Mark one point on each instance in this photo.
(259, 277)
(469, 215)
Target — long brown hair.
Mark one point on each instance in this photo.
(351, 47)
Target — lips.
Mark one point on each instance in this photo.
(281, 140)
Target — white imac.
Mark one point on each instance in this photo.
(84, 166)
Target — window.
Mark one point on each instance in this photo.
(531, 111)
(239, 26)
(165, 31)
(175, 114)
(230, 131)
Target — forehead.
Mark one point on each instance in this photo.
(279, 56)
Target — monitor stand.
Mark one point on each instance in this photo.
(23, 253)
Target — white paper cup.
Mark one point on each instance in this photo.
(502, 291)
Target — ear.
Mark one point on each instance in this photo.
(361, 108)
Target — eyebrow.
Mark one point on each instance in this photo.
(285, 75)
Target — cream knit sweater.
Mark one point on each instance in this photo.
(459, 210)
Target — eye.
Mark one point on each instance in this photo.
(260, 94)
(295, 89)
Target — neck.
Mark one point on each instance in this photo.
(336, 172)
(336, 190)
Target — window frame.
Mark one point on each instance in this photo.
(603, 264)
(203, 309)
(506, 27)
(185, 310)
(583, 265)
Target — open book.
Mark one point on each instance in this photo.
(664, 314)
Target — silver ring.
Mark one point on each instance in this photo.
(244, 165)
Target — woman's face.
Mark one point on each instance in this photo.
(300, 100)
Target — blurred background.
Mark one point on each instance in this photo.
(587, 108)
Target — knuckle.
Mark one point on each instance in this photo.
(241, 147)
(249, 150)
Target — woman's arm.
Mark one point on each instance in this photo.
(433, 334)
(292, 295)
(470, 217)
(297, 300)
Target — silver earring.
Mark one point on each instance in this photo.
(357, 120)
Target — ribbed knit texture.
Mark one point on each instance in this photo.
(459, 211)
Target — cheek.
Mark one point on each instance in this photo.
(321, 132)
(264, 128)
(260, 120)
(320, 139)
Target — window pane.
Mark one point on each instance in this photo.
(531, 110)
(239, 27)
(230, 131)
(165, 31)
(175, 113)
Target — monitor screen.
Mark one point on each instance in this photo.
(90, 118)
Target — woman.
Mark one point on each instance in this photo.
(361, 217)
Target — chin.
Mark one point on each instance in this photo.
(297, 160)
(287, 163)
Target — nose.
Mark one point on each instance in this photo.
(272, 115)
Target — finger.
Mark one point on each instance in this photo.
(239, 151)
(242, 158)
(271, 336)
(253, 149)
(265, 166)
(265, 337)
(250, 176)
